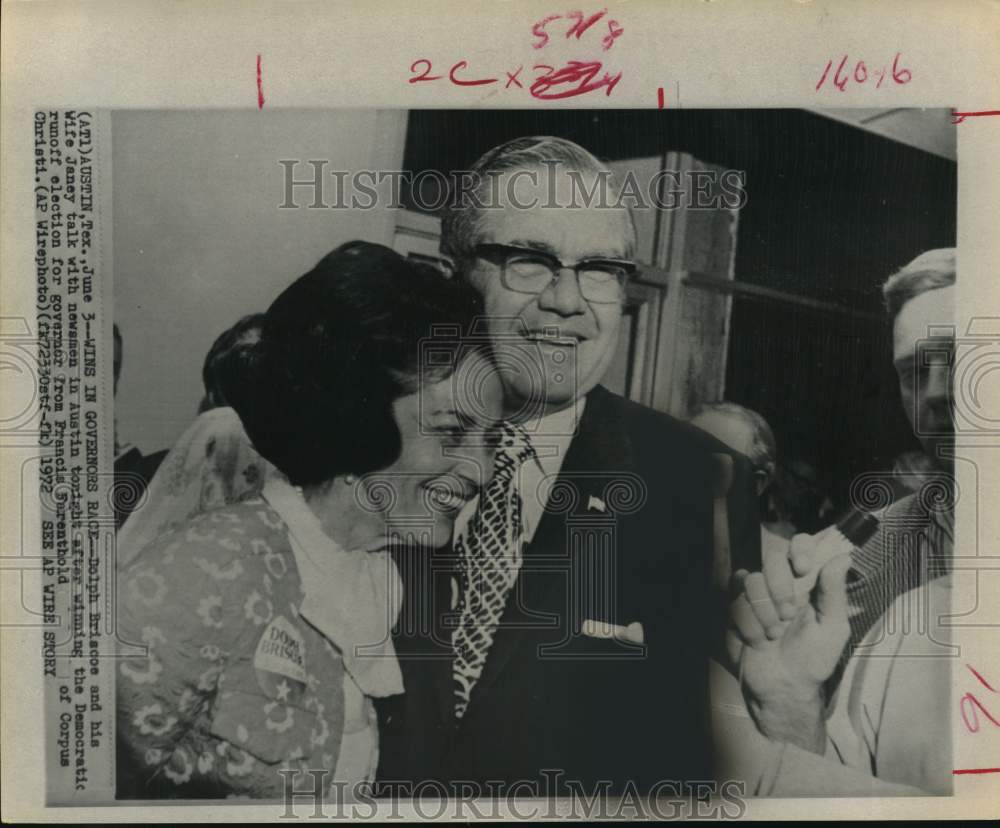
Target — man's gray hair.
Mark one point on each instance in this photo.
(462, 221)
(929, 271)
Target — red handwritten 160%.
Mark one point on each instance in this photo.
(860, 74)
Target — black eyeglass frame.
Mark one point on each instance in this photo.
(620, 269)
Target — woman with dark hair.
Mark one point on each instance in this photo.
(258, 632)
(224, 360)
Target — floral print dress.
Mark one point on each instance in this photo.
(222, 684)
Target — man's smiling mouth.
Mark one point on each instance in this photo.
(552, 339)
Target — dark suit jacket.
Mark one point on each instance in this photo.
(551, 698)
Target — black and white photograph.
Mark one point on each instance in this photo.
(475, 468)
(532, 454)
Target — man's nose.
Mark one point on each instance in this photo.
(938, 383)
(563, 295)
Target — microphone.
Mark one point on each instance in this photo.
(857, 527)
(853, 530)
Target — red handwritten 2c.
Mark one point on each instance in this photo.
(575, 78)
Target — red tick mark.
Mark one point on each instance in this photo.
(260, 86)
(975, 770)
(975, 672)
(659, 98)
(961, 116)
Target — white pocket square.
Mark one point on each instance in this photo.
(605, 629)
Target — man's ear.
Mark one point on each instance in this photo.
(447, 266)
(472, 274)
(761, 479)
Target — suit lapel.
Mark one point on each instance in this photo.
(443, 666)
(425, 653)
(600, 449)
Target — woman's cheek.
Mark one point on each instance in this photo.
(414, 497)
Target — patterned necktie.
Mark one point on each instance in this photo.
(489, 558)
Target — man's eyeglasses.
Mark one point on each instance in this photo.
(523, 270)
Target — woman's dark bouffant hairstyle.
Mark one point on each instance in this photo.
(224, 363)
(337, 348)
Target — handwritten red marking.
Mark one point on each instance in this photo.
(426, 76)
(582, 23)
(462, 64)
(897, 74)
(967, 706)
(826, 72)
(973, 726)
(976, 770)
(860, 73)
(614, 32)
(972, 669)
(659, 98)
(538, 30)
(260, 86)
(573, 72)
(574, 78)
(961, 116)
(838, 81)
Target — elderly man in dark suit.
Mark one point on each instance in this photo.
(564, 639)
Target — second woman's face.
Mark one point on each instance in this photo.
(448, 429)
